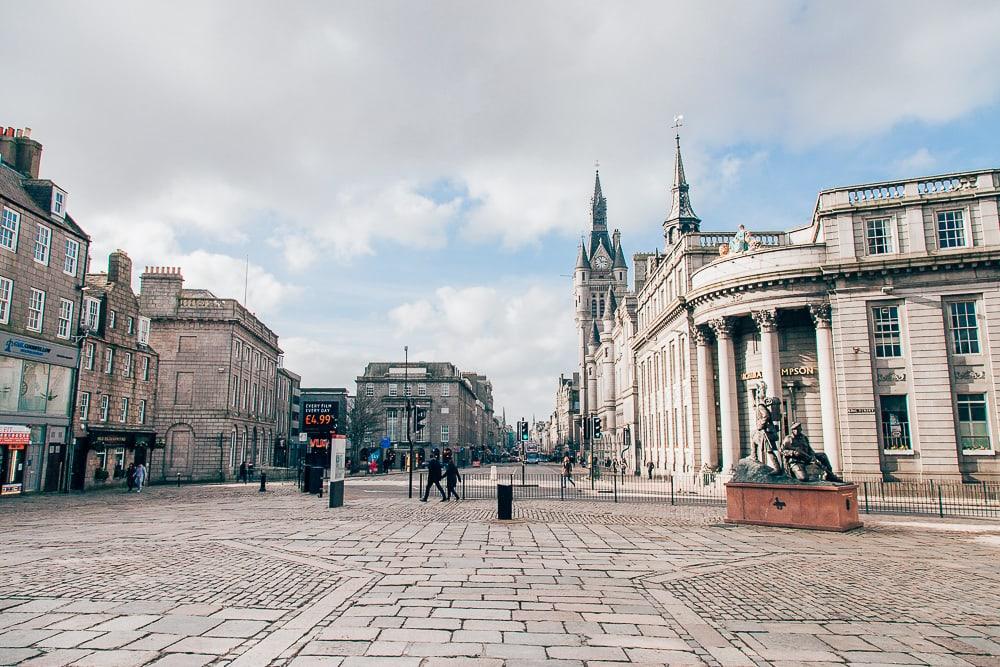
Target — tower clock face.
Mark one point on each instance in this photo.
(602, 262)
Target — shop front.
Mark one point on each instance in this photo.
(103, 455)
(14, 442)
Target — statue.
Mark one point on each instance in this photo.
(741, 240)
(799, 455)
(765, 438)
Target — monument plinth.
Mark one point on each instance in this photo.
(813, 506)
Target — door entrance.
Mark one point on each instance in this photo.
(79, 467)
(54, 466)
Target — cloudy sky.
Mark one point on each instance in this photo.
(419, 173)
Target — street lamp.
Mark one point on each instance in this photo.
(406, 395)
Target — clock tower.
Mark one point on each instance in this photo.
(599, 278)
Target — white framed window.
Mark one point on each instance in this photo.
(84, 406)
(58, 202)
(445, 410)
(6, 290)
(393, 390)
(952, 229)
(91, 313)
(253, 398)
(964, 327)
(65, 318)
(131, 325)
(880, 236)
(370, 390)
(124, 416)
(144, 330)
(105, 406)
(235, 399)
(109, 360)
(888, 335)
(446, 390)
(142, 411)
(112, 318)
(72, 259)
(10, 223)
(237, 347)
(407, 389)
(88, 356)
(444, 433)
(421, 389)
(127, 366)
(145, 368)
(392, 424)
(895, 424)
(974, 423)
(36, 310)
(43, 243)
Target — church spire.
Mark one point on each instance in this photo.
(681, 216)
(581, 260)
(598, 205)
(619, 260)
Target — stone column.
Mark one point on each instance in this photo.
(706, 400)
(766, 321)
(821, 314)
(728, 417)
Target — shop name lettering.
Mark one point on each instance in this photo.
(21, 347)
(785, 372)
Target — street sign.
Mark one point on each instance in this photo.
(385, 443)
(303, 437)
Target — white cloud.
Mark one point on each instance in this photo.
(917, 163)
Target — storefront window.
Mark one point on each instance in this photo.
(895, 424)
(10, 381)
(34, 387)
(58, 396)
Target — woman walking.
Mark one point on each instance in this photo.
(140, 477)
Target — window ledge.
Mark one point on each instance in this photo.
(978, 452)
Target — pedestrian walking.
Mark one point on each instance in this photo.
(567, 466)
(130, 476)
(453, 477)
(140, 477)
(243, 472)
(434, 477)
(649, 467)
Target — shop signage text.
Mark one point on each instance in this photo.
(785, 372)
(860, 411)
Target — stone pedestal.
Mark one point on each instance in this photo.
(815, 507)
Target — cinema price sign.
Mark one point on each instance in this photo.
(319, 417)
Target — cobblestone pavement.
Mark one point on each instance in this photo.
(224, 575)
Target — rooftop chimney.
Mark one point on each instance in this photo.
(20, 151)
(120, 268)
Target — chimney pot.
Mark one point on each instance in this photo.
(27, 133)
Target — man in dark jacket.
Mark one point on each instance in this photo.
(452, 475)
(433, 477)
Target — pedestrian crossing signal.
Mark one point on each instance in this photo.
(420, 420)
(597, 428)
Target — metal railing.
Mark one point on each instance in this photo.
(981, 499)
(694, 489)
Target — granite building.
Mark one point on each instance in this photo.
(874, 325)
(116, 393)
(459, 408)
(565, 419)
(288, 412)
(43, 255)
(216, 385)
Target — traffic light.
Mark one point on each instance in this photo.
(420, 420)
(524, 430)
(597, 428)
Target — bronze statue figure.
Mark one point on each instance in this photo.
(798, 455)
(765, 438)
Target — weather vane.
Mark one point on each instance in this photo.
(678, 122)
(597, 164)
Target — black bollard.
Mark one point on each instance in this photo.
(263, 481)
(178, 479)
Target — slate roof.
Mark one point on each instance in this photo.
(14, 187)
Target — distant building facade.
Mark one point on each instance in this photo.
(288, 412)
(217, 380)
(116, 394)
(43, 254)
(459, 408)
(566, 422)
(874, 326)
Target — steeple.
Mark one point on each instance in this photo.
(599, 220)
(595, 337)
(619, 258)
(681, 218)
(598, 205)
(611, 304)
(581, 261)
